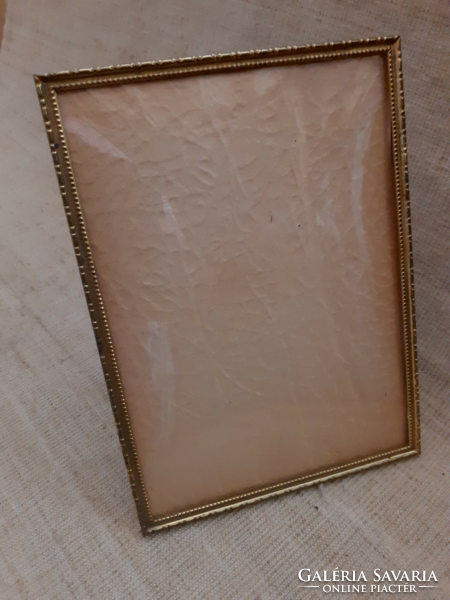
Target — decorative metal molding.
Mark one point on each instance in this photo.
(49, 86)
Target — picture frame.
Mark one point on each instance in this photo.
(60, 105)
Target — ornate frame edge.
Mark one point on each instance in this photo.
(49, 85)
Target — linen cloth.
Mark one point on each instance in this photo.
(68, 526)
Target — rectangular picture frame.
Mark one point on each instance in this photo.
(51, 86)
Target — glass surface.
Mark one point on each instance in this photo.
(244, 232)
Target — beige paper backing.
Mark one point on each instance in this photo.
(243, 228)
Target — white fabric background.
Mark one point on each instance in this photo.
(68, 527)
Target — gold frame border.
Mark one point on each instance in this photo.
(49, 85)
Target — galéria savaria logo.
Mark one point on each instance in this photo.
(378, 581)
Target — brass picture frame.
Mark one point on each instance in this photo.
(51, 87)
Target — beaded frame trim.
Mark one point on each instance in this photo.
(50, 85)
